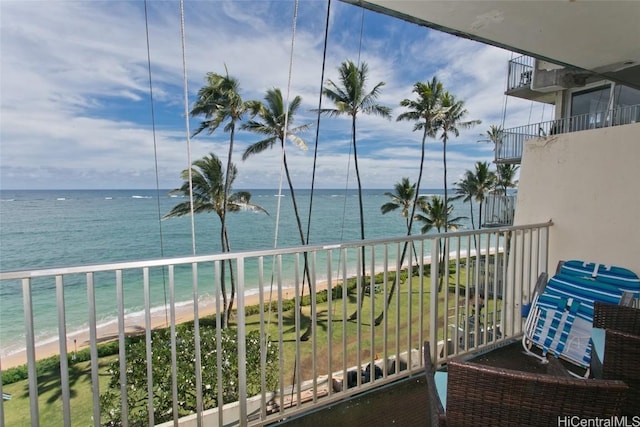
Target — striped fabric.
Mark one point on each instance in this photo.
(585, 290)
(561, 319)
(625, 279)
(561, 328)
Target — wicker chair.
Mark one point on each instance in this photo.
(616, 317)
(484, 395)
(622, 349)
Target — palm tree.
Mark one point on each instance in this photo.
(208, 183)
(404, 198)
(505, 177)
(495, 135)
(453, 112)
(434, 215)
(351, 98)
(466, 189)
(426, 112)
(275, 124)
(484, 182)
(219, 101)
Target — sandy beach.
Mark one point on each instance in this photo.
(134, 324)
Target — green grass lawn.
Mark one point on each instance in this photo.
(329, 329)
(17, 410)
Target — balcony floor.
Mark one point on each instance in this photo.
(405, 402)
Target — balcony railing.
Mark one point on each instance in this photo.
(509, 147)
(520, 72)
(380, 325)
(499, 210)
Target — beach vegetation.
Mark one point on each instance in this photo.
(351, 98)
(207, 181)
(417, 283)
(136, 363)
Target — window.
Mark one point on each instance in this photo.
(626, 105)
(589, 108)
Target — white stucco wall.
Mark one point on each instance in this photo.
(588, 184)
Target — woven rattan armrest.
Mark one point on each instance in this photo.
(616, 317)
(486, 395)
(622, 362)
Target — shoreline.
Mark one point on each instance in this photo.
(134, 324)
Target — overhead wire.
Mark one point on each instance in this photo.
(344, 206)
(155, 156)
(186, 119)
(315, 151)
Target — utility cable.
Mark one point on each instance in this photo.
(155, 155)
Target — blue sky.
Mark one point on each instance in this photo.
(75, 99)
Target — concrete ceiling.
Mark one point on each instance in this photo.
(599, 36)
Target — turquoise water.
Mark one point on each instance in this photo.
(62, 228)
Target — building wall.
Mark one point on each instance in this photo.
(587, 183)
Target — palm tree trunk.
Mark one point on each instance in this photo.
(307, 334)
(360, 205)
(473, 225)
(393, 285)
(223, 285)
(233, 282)
(223, 217)
(409, 226)
(442, 267)
(446, 199)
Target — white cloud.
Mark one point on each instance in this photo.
(75, 106)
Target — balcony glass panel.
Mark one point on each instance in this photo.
(593, 103)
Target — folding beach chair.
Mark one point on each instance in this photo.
(561, 316)
(626, 280)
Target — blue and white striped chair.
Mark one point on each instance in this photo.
(560, 320)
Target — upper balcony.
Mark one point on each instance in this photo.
(509, 147)
(520, 80)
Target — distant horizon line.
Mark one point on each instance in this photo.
(171, 189)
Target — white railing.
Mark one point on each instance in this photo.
(304, 374)
(520, 72)
(499, 210)
(509, 147)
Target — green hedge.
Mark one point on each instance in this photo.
(136, 358)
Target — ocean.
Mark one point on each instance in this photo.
(64, 228)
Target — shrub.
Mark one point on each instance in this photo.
(136, 366)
